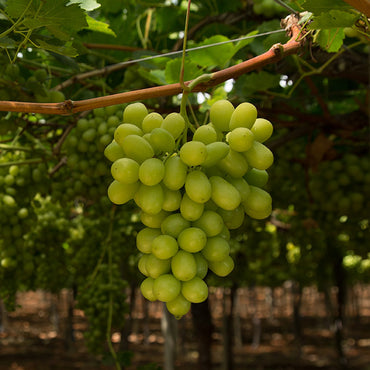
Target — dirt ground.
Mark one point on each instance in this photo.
(30, 339)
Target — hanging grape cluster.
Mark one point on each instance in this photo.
(190, 192)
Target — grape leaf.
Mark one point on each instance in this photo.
(7, 42)
(333, 19)
(173, 71)
(322, 6)
(213, 56)
(330, 40)
(64, 49)
(98, 26)
(87, 5)
(257, 81)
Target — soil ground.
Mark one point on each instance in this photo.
(30, 340)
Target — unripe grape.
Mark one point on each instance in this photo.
(137, 148)
(262, 129)
(125, 170)
(222, 268)
(192, 239)
(189, 209)
(174, 123)
(198, 186)
(175, 173)
(259, 156)
(174, 224)
(224, 194)
(202, 265)
(164, 247)
(151, 171)
(241, 185)
(240, 139)
(149, 198)
(166, 288)
(258, 205)
(151, 121)
(216, 249)
(257, 177)
(220, 114)
(179, 306)
(144, 239)
(244, 115)
(162, 141)
(146, 289)
(234, 164)
(125, 129)
(183, 265)
(171, 199)
(120, 193)
(153, 221)
(206, 134)
(215, 152)
(233, 219)
(156, 267)
(193, 153)
(195, 290)
(135, 113)
(142, 264)
(210, 222)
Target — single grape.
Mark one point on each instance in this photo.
(206, 134)
(220, 114)
(224, 194)
(216, 249)
(146, 289)
(175, 173)
(193, 153)
(192, 239)
(202, 265)
(195, 290)
(244, 115)
(172, 199)
(198, 186)
(151, 121)
(215, 152)
(151, 171)
(153, 221)
(174, 224)
(135, 113)
(258, 205)
(259, 156)
(183, 265)
(144, 239)
(164, 247)
(222, 268)
(137, 148)
(178, 306)
(234, 164)
(262, 129)
(149, 198)
(189, 209)
(174, 123)
(162, 141)
(125, 170)
(210, 222)
(257, 177)
(240, 139)
(120, 193)
(233, 219)
(156, 267)
(124, 130)
(166, 288)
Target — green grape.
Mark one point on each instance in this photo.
(193, 153)
(89, 135)
(195, 290)
(259, 156)
(198, 186)
(183, 266)
(220, 114)
(262, 129)
(192, 239)
(175, 173)
(234, 164)
(151, 171)
(125, 129)
(233, 219)
(56, 96)
(153, 221)
(258, 205)
(241, 185)
(215, 152)
(113, 121)
(216, 249)
(225, 233)
(179, 306)
(174, 123)
(222, 268)
(244, 115)
(137, 148)
(202, 265)
(151, 121)
(210, 222)
(146, 288)
(240, 139)
(164, 247)
(142, 264)
(174, 224)
(144, 239)
(149, 198)
(125, 170)
(256, 177)
(135, 114)
(156, 267)
(224, 194)
(206, 134)
(162, 141)
(171, 199)
(119, 193)
(166, 288)
(189, 209)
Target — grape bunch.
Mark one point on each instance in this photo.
(190, 192)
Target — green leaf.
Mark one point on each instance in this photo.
(324, 6)
(156, 76)
(330, 40)
(258, 81)
(213, 56)
(87, 5)
(15, 8)
(333, 19)
(98, 26)
(64, 50)
(173, 68)
(7, 42)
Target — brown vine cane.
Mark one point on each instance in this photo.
(273, 55)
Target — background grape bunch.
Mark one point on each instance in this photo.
(190, 192)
